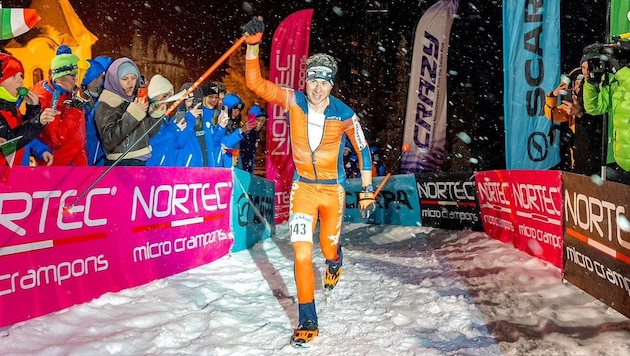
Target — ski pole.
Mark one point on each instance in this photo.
(366, 214)
(237, 44)
(405, 148)
(205, 75)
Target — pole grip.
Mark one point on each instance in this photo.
(380, 186)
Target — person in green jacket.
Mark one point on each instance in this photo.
(608, 91)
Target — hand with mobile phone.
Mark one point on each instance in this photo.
(223, 118)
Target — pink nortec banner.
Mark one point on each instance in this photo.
(524, 207)
(136, 225)
(287, 68)
(493, 193)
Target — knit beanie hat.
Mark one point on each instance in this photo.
(10, 66)
(209, 89)
(127, 68)
(232, 101)
(159, 85)
(97, 67)
(196, 94)
(64, 63)
(256, 111)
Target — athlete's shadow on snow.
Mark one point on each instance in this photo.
(376, 240)
(455, 261)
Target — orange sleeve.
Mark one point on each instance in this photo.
(554, 112)
(266, 89)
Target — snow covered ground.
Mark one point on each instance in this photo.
(404, 291)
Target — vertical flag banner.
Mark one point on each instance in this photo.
(531, 56)
(289, 51)
(15, 22)
(425, 118)
(619, 17)
(8, 149)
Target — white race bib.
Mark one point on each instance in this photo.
(301, 227)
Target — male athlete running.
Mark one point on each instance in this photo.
(319, 125)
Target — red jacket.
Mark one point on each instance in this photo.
(14, 124)
(66, 134)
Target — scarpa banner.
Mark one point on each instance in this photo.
(531, 60)
(287, 68)
(136, 225)
(396, 204)
(253, 213)
(425, 117)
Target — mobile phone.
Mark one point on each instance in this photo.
(143, 92)
(566, 95)
(251, 120)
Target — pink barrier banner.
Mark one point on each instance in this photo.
(524, 207)
(136, 225)
(495, 204)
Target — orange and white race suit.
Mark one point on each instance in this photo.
(318, 189)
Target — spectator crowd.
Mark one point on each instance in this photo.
(113, 117)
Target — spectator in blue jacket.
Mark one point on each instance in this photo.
(163, 142)
(235, 129)
(37, 151)
(92, 82)
(256, 116)
(209, 124)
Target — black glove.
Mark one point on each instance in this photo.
(81, 94)
(80, 97)
(254, 30)
(593, 78)
(367, 202)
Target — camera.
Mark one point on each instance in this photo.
(606, 57)
(596, 65)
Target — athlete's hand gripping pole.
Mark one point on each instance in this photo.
(173, 107)
(405, 148)
(367, 200)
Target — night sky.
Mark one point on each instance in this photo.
(199, 32)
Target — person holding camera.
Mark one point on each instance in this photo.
(319, 125)
(580, 132)
(208, 123)
(587, 140)
(123, 116)
(606, 91)
(199, 140)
